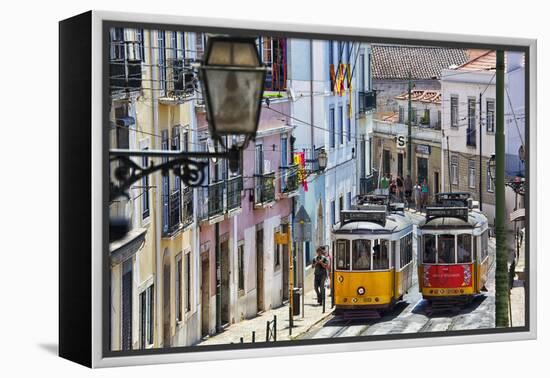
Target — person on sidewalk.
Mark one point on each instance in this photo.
(320, 264)
(399, 184)
(384, 184)
(425, 193)
(417, 200)
(408, 190)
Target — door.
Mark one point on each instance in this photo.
(400, 164)
(225, 273)
(436, 182)
(422, 169)
(166, 300)
(260, 269)
(205, 297)
(386, 162)
(127, 292)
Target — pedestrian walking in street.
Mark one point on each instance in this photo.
(408, 190)
(393, 190)
(417, 200)
(399, 183)
(320, 264)
(385, 183)
(425, 192)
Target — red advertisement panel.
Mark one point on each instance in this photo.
(451, 276)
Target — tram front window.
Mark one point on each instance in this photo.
(446, 249)
(361, 255)
(464, 251)
(342, 254)
(429, 249)
(380, 255)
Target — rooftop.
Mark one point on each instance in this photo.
(484, 62)
(396, 61)
(426, 96)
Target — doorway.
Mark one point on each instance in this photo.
(436, 182)
(224, 290)
(205, 296)
(166, 299)
(386, 162)
(400, 164)
(422, 169)
(260, 270)
(285, 265)
(127, 282)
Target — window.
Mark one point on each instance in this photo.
(426, 117)
(188, 281)
(332, 137)
(464, 248)
(333, 212)
(341, 124)
(259, 167)
(146, 317)
(330, 52)
(484, 245)
(179, 282)
(489, 180)
(454, 111)
(361, 255)
(405, 250)
(428, 249)
(471, 174)
(342, 254)
(490, 117)
(438, 124)
(161, 45)
(471, 131)
(340, 206)
(380, 255)
(454, 169)
(240, 257)
(145, 189)
(199, 45)
(141, 39)
(401, 114)
(446, 249)
(348, 118)
(362, 73)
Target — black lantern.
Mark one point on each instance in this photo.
(232, 78)
(492, 168)
(322, 159)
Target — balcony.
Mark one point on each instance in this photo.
(234, 190)
(171, 215)
(290, 180)
(264, 192)
(211, 201)
(187, 206)
(367, 101)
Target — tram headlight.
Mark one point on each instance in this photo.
(340, 278)
(361, 290)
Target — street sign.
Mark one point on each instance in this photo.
(401, 141)
(281, 237)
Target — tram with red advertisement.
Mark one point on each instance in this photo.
(453, 258)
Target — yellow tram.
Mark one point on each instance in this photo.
(372, 258)
(453, 258)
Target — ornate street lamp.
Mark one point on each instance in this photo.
(232, 78)
(322, 159)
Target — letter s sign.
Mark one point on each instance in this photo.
(401, 141)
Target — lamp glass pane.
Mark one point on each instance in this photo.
(234, 100)
(227, 53)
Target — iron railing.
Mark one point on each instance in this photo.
(187, 206)
(172, 217)
(234, 190)
(264, 188)
(212, 200)
(367, 101)
(289, 179)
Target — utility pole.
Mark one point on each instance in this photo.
(290, 281)
(501, 273)
(409, 132)
(449, 166)
(480, 157)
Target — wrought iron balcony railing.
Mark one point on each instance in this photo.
(212, 200)
(289, 179)
(171, 220)
(187, 206)
(264, 189)
(234, 190)
(367, 101)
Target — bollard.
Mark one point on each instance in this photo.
(274, 327)
(323, 298)
(267, 331)
(253, 336)
(242, 340)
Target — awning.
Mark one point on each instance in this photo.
(518, 215)
(128, 246)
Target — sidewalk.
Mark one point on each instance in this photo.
(313, 315)
(517, 294)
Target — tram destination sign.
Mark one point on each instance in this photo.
(447, 212)
(376, 214)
